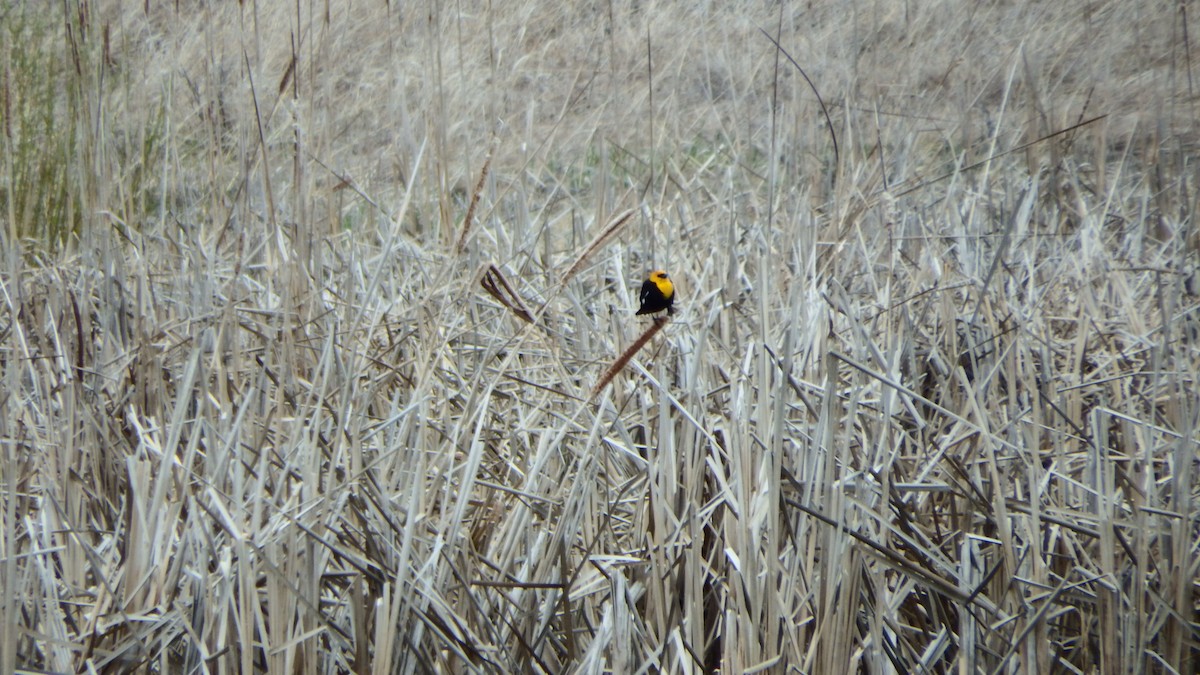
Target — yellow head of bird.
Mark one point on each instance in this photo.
(663, 282)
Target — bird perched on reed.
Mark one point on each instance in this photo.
(658, 293)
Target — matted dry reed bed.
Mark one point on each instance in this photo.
(304, 391)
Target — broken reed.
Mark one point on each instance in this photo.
(496, 284)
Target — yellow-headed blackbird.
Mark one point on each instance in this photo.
(658, 293)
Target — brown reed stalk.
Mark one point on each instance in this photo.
(493, 281)
(469, 219)
(618, 365)
(606, 234)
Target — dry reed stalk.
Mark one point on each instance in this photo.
(600, 239)
(625, 356)
(469, 219)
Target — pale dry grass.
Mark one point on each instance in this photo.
(313, 386)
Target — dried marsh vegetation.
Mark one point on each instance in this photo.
(305, 309)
